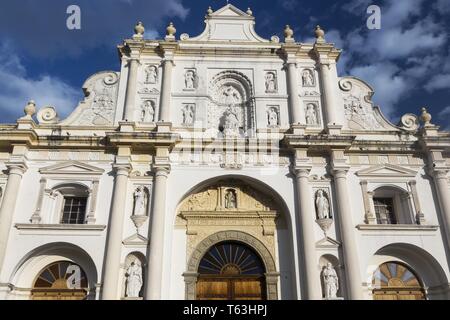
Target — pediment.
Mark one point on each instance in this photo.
(72, 167)
(136, 240)
(229, 24)
(386, 170)
(327, 242)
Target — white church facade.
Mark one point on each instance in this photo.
(224, 166)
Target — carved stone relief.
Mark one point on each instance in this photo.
(147, 111)
(190, 79)
(358, 107)
(151, 74)
(99, 104)
(273, 116)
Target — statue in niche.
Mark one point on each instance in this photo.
(322, 205)
(188, 114)
(134, 279)
(151, 74)
(140, 202)
(147, 112)
(271, 82)
(311, 114)
(231, 127)
(189, 79)
(230, 199)
(331, 281)
(308, 78)
(272, 117)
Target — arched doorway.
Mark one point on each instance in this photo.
(61, 280)
(396, 281)
(231, 270)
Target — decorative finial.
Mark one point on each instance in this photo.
(426, 117)
(320, 34)
(139, 30)
(170, 31)
(249, 12)
(29, 110)
(209, 11)
(288, 34)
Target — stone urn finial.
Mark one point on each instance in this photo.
(320, 34)
(171, 30)
(29, 110)
(288, 33)
(139, 30)
(249, 12)
(209, 11)
(425, 117)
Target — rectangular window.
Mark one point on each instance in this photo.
(74, 211)
(384, 210)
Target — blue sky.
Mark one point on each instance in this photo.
(407, 61)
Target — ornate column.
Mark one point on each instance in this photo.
(347, 231)
(130, 98)
(420, 217)
(297, 112)
(16, 171)
(443, 193)
(166, 90)
(115, 229)
(311, 276)
(92, 202)
(36, 217)
(367, 199)
(156, 236)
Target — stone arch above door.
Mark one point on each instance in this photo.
(202, 248)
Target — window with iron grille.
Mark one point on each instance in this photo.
(384, 210)
(74, 211)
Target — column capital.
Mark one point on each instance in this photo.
(412, 182)
(440, 174)
(339, 172)
(364, 182)
(301, 172)
(122, 169)
(161, 171)
(16, 167)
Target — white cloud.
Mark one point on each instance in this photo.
(17, 89)
(388, 84)
(440, 81)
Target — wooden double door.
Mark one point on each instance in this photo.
(231, 288)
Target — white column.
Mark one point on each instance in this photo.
(306, 217)
(166, 91)
(92, 203)
(16, 171)
(297, 112)
(441, 182)
(156, 236)
(36, 217)
(115, 232)
(347, 231)
(329, 92)
(130, 98)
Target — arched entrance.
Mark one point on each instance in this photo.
(396, 281)
(61, 280)
(231, 271)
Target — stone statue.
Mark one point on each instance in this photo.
(331, 281)
(272, 117)
(147, 112)
(270, 82)
(151, 74)
(231, 96)
(308, 79)
(134, 279)
(140, 202)
(311, 114)
(322, 205)
(189, 79)
(231, 128)
(188, 114)
(230, 200)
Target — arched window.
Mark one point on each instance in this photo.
(392, 206)
(61, 280)
(396, 281)
(74, 201)
(231, 270)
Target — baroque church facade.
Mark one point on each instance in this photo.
(224, 166)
